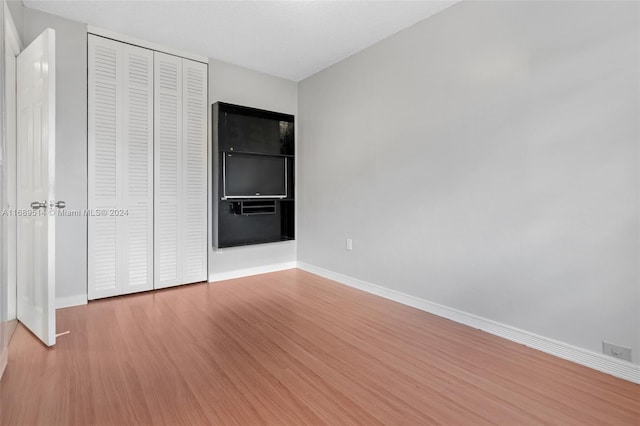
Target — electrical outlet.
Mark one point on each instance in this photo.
(616, 351)
(349, 244)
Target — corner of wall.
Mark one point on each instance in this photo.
(16, 9)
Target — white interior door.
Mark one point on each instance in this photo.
(36, 187)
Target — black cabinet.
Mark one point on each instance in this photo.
(250, 130)
(254, 167)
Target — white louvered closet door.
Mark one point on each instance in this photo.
(105, 124)
(194, 162)
(168, 231)
(120, 148)
(180, 158)
(137, 166)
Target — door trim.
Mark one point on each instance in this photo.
(145, 44)
(14, 46)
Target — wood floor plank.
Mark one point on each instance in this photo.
(291, 348)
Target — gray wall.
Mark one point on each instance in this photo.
(71, 146)
(237, 85)
(486, 159)
(16, 9)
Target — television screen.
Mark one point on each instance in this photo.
(254, 176)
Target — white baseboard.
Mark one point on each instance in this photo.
(618, 368)
(69, 301)
(239, 273)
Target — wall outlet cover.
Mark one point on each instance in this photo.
(616, 351)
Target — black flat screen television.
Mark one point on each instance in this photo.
(254, 176)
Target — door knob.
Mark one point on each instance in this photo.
(39, 205)
(59, 204)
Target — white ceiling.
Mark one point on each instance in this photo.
(290, 39)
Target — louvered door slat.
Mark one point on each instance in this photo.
(137, 234)
(180, 171)
(167, 170)
(104, 122)
(194, 166)
(120, 246)
(148, 158)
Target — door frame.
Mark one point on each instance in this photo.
(14, 45)
(11, 48)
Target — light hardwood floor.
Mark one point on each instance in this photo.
(291, 348)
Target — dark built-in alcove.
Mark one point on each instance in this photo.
(253, 178)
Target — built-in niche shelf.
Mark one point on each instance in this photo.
(254, 167)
